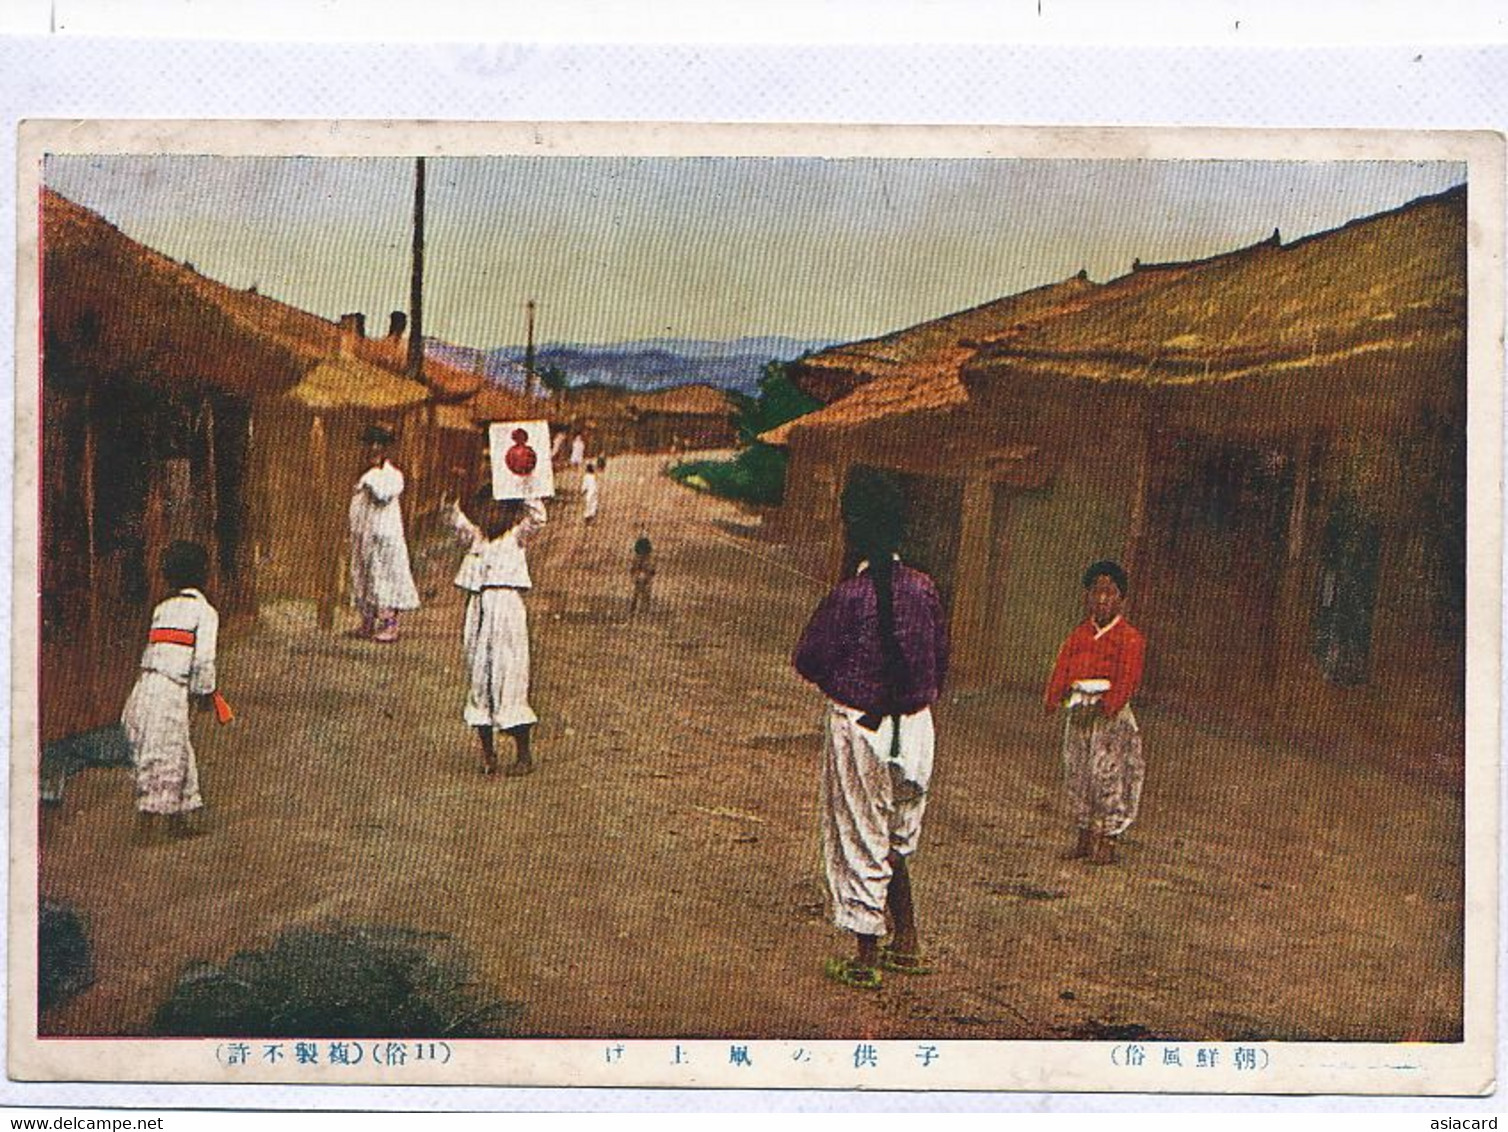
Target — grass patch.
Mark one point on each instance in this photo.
(756, 475)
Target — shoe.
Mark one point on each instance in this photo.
(852, 973)
(903, 962)
(518, 770)
(1101, 849)
(1081, 847)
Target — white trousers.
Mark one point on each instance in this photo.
(156, 721)
(871, 806)
(1103, 770)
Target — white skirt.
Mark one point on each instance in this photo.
(381, 576)
(495, 639)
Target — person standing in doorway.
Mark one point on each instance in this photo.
(382, 581)
(1098, 671)
(877, 647)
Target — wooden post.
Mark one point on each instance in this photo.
(1291, 613)
(1136, 556)
(249, 521)
(971, 594)
(93, 660)
(211, 495)
(1298, 506)
(319, 470)
(434, 474)
(530, 385)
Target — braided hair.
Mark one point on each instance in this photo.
(874, 515)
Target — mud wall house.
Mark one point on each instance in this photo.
(1272, 440)
(682, 418)
(626, 420)
(175, 407)
(898, 402)
(1289, 430)
(604, 412)
(311, 449)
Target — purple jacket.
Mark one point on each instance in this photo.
(840, 649)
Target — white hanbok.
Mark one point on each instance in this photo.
(381, 577)
(591, 495)
(156, 716)
(495, 635)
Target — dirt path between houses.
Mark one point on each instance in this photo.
(660, 875)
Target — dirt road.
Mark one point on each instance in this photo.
(660, 875)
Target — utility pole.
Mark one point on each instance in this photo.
(416, 282)
(530, 382)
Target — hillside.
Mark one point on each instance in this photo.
(648, 364)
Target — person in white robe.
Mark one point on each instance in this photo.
(495, 634)
(178, 663)
(382, 581)
(591, 494)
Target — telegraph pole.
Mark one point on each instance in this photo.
(416, 282)
(530, 382)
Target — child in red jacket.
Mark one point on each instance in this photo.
(1098, 671)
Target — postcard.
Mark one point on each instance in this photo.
(1012, 609)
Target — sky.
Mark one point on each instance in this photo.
(630, 248)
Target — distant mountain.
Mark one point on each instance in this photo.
(649, 364)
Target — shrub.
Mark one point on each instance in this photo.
(342, 981)
(64, 965)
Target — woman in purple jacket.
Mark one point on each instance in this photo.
(877, 646)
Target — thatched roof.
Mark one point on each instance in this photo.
(111, 304)
(1378, 288)
(1389, 286)
(696, 400)
(929, 348)
(495, 403)
(344, 383)
(919, 369)
(445, 381)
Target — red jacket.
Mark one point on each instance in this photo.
(1091, 653)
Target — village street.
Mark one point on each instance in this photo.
(660, 874)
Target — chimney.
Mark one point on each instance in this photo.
(397, 323)
(353, 328)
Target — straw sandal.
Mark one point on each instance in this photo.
(852, 973)
(905, 963)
